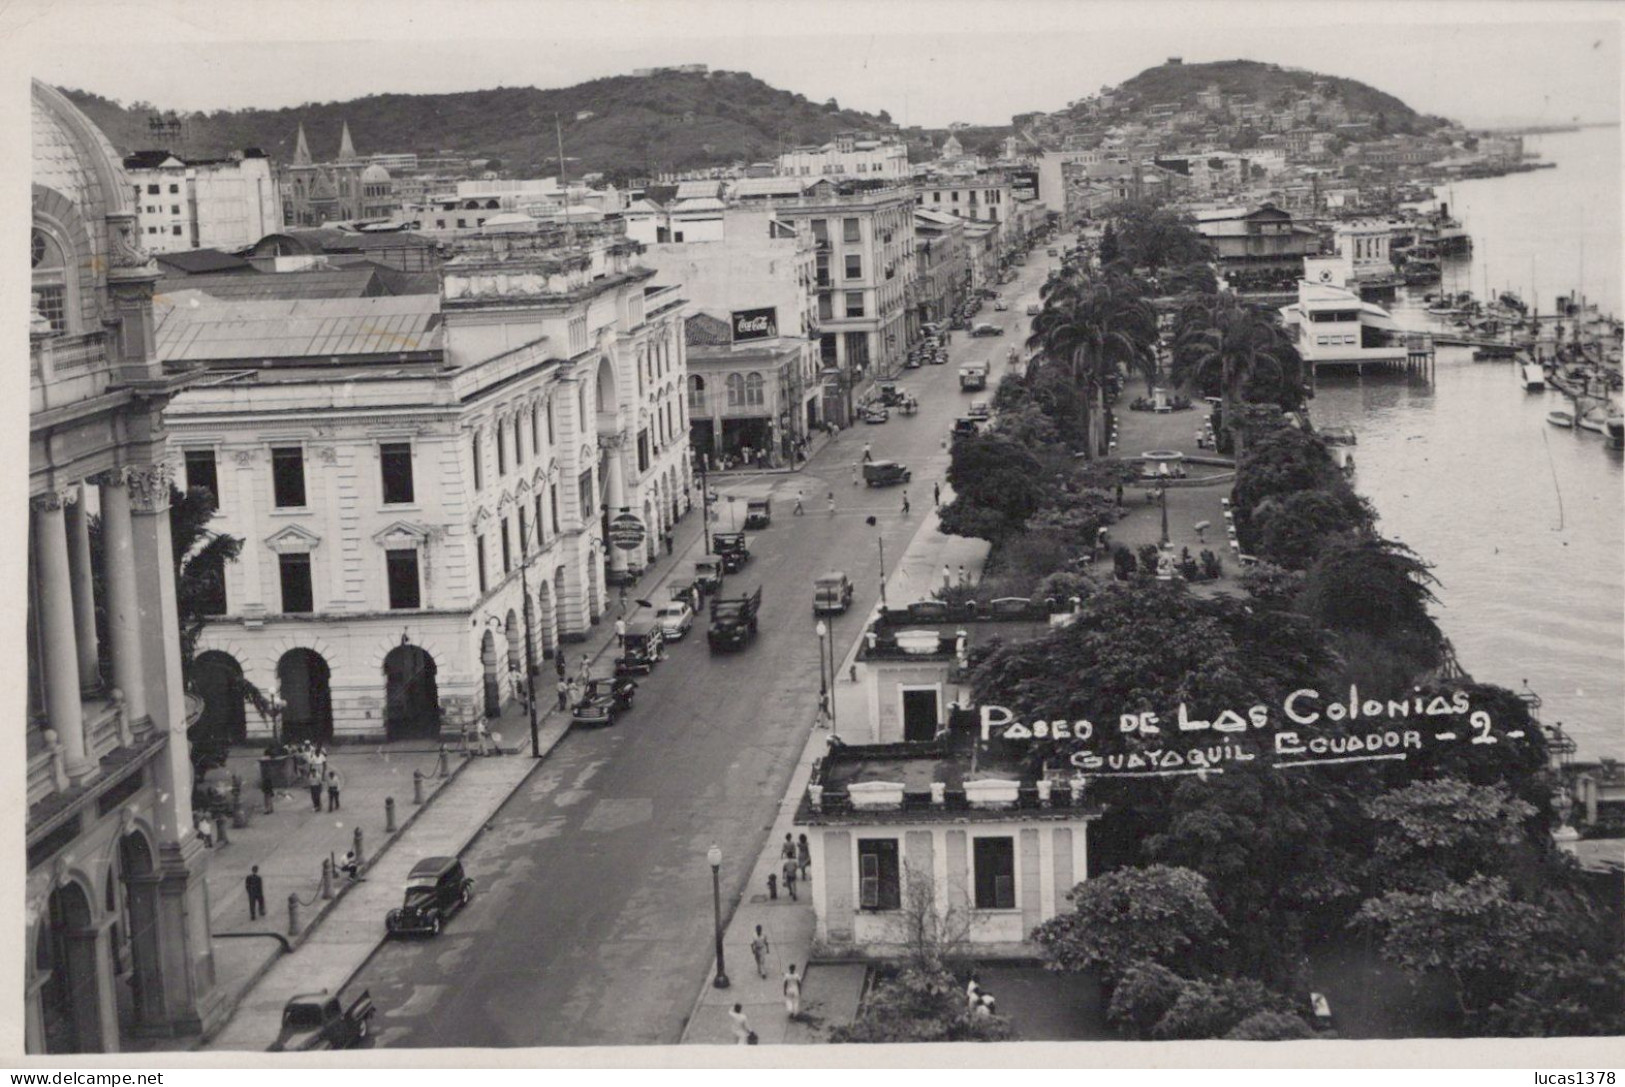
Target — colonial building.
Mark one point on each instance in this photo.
(848, 155)
(422, 480)
(225, 203)
(116, 918)
(1259, 241)
(941, 263)
(348, 188)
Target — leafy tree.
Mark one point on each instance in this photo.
(1377, 587)
(1143, 996)
(1431, 834)
(1562, 996)
(1221, 339)
(1475, 932)
(1271, 586)
(1294, 531)
(996, 487)
(201, 556)
(1155, 914)
(1109, 249)
(1270, 1026)
(1212, 1009)
(921, 1005)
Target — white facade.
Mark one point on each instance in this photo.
(225, 204)
(380, 610)
(1332, 326)
(848, 157)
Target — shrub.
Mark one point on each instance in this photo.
(1143, 997)
(1212, 568)
(1123, 564)
(1150, 554)
(1270, 1027)
(1211, 1009)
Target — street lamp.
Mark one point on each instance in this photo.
(705, 509)
(714, 857)
(1162, 495)
(881, 540)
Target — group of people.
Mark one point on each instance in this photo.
(789, 986)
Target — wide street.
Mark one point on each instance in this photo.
(592, 919)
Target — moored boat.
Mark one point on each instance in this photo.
(1533, 376)
(1614, 428)
(1564, 419)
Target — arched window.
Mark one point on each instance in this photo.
(696, 393)
(50, 282)
(753, 390)
(736, 390)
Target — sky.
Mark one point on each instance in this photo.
(925, 63)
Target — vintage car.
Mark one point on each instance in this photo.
(732, 548)
(707, 573)
(985, 329)
(832, 593)
(602, 700)
(758, 513)
(1054, 252)
(675, 620)
(881, 473)
(435, 888)
(875, 413)
(641, 648)
(966, 427)
(980, 410)
(890, 395)
(314, 1021)
(1000, 305)
(1034, 309)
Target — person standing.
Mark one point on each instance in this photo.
(790, 876)
(758, 951)
(855, 472)
(255, 886)
(803, 856)
(620, 633)
(787, 851)
(792, 992)
(936, 494)
(267, 790)
(564, 693)
(315, 783)
(832, 501)
(963, 580)
(205, 828)
(868, 453)
(947, 577)
(905, 503)
(586, 667)
(334, 783)
(741, 1025)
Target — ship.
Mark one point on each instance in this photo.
(1533, 376)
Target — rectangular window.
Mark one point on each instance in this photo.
(175, 230)
(53, 306)
(854, 266)
(553, 504)
(820, 230)
(288, 476)
(879, 887)
(524, 532)
(995, 861)
(152, 190)
(478, 482)
(854, 303)
(174, 209)
(850, 231)
(395, 463)
(507, 548)
(535, 432)
(297, 598)
(479, 561)
(857, 350)
(174, 188)
(584, 496)
(201, 472)
(403, 579)
(550, 438)
(541, 525)
(502, 451)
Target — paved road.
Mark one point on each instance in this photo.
(592, 918)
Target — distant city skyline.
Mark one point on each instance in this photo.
(927, 65)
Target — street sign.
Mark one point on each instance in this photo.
(626, 532)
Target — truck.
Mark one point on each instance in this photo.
(320, 1021)
(973, 376)
(733, 620)
(733, 548)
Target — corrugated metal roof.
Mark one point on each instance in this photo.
(194, 327)
(355, 281)
(768, 186)
(690, 190)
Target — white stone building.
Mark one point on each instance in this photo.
(411, 508)
(848, 155)
(217, 203)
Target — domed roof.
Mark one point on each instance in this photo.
(375, 172)
(73, 157)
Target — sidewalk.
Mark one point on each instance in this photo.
(831, 991)
(337, 936)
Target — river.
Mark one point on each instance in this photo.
(1524, 523)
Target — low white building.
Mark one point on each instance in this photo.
(1332, 326)
(419, 480)
(848, 155)
(219, 203)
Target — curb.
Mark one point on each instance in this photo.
(297, 941)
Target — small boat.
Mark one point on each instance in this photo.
(1533, 376)
(1564, 419)
(1493, 351)
(1594, 418)
(1614, 427)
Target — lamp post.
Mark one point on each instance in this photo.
(530, 658)
(881, 540)
(714, 857)
(705, 509)
(826, 692)
(1162, 496)
(273, 709)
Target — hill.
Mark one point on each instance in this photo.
(1271, 85)
(624, 126)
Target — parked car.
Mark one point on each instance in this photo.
(1034, 309)
(876, 414)
(602, 700)
(880, 473)
(758, 513)
(832, 593)
(641, 648)
(985, 329)
(435, 888)
(675, 620)
(1054, 252)
(980, 410)
(314, 1021)
(1000, 305)
(966, 427)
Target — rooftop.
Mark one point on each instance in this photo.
(197, 328)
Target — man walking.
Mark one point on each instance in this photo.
(267, 790)
(868, 454)
(947, 577)
(334, 783)
(792, 992)
(564, 693)
(790, 874)
(741, 1025)
(758, 951)
(620, 633)
(315, 782)
(905, 503)
(256, 893)
(936, 494)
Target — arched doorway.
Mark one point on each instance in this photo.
(651, 535)
(411, 698)
(66, 957)
(488, 661)
(218, 680)
(302, 676)
(140, 995)
(592, 570)
(545, 620)
(516, 645)
(559, 597)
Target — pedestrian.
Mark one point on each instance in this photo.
(823, 709)
(855, 475)
(205, 829)
(963, 580)
(586, 667)
(267, 790)
(788, 849)
(799, 510)
(792, 992)
(334, 783)
(773, 886)
(315, 783)
(905, 503)
(758, 951)
(936, 494)
(803, 856)
(741, 1025)
(482, 736)
(868, 454)
(947, 577)
(574, 691)
(832, 501)
(564, 693)
(256, 893)
(789, 867)
(620, 633)
(350, 866)
(318, 760)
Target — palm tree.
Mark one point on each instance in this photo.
(1221, 337)
(1092, 327)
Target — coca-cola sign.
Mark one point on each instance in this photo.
(755, 324)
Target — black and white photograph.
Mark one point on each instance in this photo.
(958, 534)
